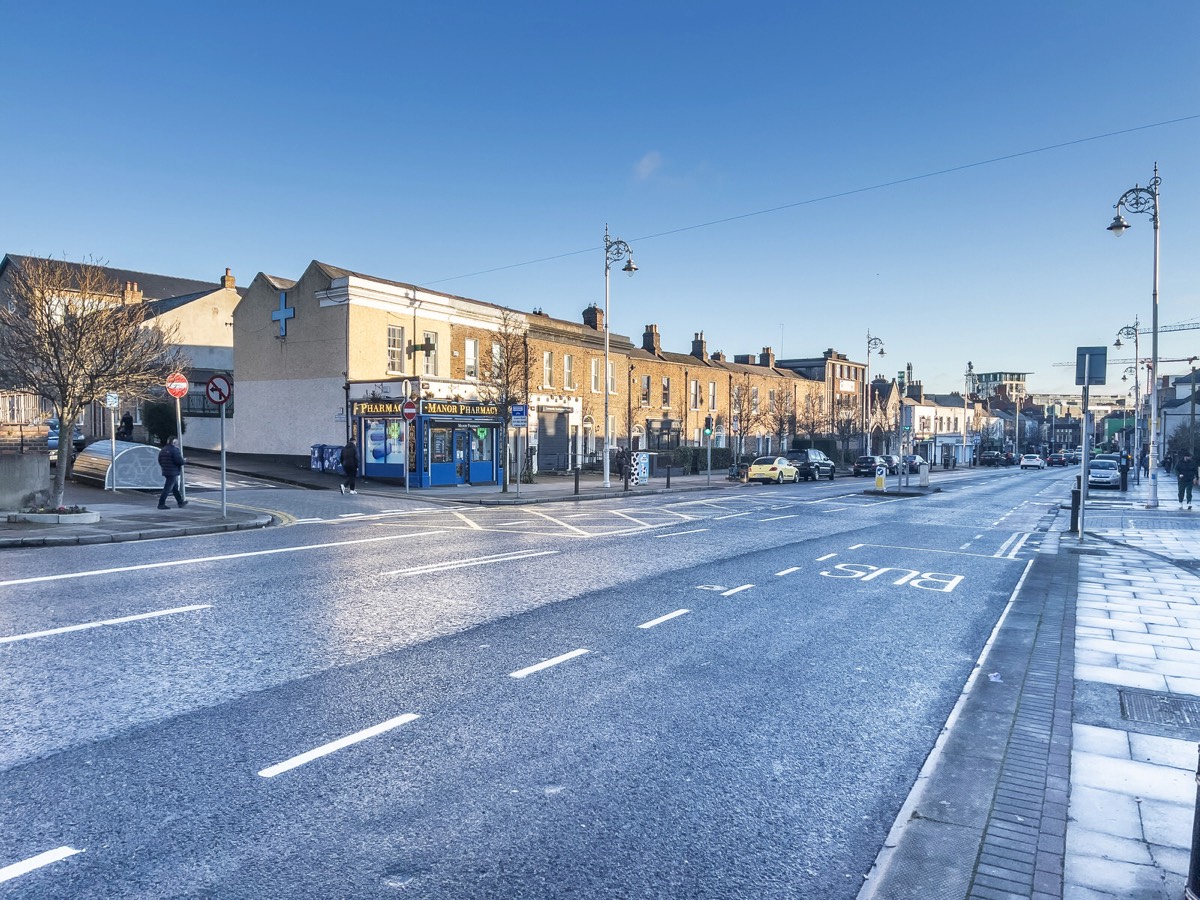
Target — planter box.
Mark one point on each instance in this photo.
(84, 518)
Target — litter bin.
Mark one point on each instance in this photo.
(316, 459)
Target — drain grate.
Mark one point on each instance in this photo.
(1160, 709)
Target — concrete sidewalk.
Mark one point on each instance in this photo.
(1068, 767)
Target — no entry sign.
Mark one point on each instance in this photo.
(177, 385)
(409, 410)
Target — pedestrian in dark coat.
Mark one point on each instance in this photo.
(350, 465)
(1186, 473)
(171, 461)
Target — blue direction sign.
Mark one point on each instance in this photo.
(520, 415)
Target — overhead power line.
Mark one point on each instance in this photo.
(834, 196)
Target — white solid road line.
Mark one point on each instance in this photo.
(205, 559)
(730, 516)
(666, 618)
(777, 518)
(736, 590)
(832, 555)
(36, 862)
(529, 670)
(677, 533)
(150, 615)
(474, 561)
(789, 571)
(334, 746)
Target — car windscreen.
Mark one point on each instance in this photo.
(1103, 464)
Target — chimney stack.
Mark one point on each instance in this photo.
(717, 356)
(766, 358)
(228, 282)
(593, 317)
(131, 293)
(651, 342)
(699, 348)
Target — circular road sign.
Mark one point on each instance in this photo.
(177, 385)
(218, 389)
(409, 410)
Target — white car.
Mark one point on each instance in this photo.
(1032, 461)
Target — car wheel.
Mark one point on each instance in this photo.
(779, 478)
(796, 477)
(831, 471)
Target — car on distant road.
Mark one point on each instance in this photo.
(78, 441)
(769, 469)
(893, 463)
(1032, 461)
(866, 465)
(1056, 459)
(1103, 473)
(812, 464)
(913, 463)
(991, 458)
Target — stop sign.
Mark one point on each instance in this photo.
(177, 385)
(409, 410)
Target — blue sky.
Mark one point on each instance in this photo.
(767, 164)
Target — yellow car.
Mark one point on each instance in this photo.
(772, 468)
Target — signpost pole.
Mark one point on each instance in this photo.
(112, 418)
(179, 439)
(222, 460)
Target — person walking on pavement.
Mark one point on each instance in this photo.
(1186, 472)
(350, 465)
(171, 461)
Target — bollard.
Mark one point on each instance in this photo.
(1075, 493)
(1192, 891)
(1124, 478)
(577, 480)
(668, 476)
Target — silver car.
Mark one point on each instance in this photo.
(1103, 473)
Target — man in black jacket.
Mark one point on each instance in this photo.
(350, 465)
(170, 460)
(1185, 471)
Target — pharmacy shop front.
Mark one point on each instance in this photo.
(450, 442)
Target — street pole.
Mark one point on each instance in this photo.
(614, 251)
(872, 343)
(1140, 199)
(179, 440)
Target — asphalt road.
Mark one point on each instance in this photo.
(723, 694)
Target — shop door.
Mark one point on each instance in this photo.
(462, 458)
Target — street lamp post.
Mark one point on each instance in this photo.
(967, 377)
(1132, 331)
(873, 343)
(1137, 425)
(1140, 199)
(614, 251)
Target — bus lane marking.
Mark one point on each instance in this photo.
(942, 582)
(100, 624)
(547, 663)
(777, 518)
(475, 526)
(333, 746)
(736, 590)
(788, 571)
(678, 533)
(36, 862)
(560, 522)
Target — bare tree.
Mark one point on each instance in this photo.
(846, 424)
(746, 413)
(66, 336)
(504, 380)
(780, 416)
(811, 414)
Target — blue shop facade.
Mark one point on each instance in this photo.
(449, 442)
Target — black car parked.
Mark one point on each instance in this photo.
(991, 458)
(812, 464)
(865, 465)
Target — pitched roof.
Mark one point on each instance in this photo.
(153, 287)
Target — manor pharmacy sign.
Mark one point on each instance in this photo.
(459, 409)
(441, 408)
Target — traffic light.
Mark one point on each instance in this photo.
(708, 426)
